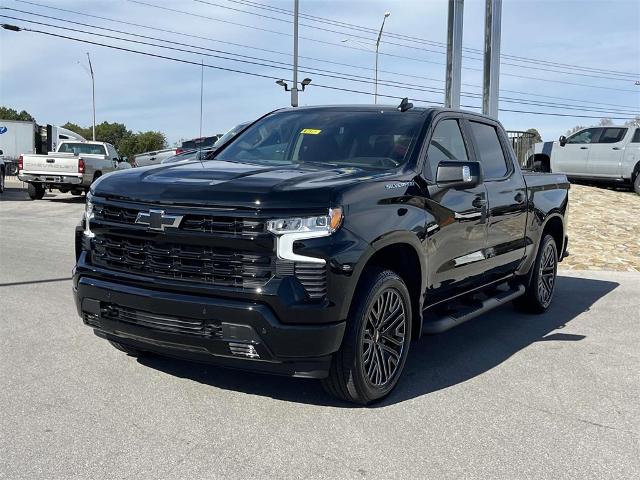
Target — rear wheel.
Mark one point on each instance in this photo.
(539, 292)
(636, 184)
(134, 352)
(2, 180)
(35, 191)
(376, 342)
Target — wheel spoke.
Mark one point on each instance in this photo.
(383, 338)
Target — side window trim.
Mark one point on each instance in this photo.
(426, 170)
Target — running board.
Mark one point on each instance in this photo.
(449, 321)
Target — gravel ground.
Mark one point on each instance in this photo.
(504, 396)
(604, 229)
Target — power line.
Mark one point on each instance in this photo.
(283, 11)
(244, 72)
(173, 10)
(309, 39)
(303, 69)
(387, 41)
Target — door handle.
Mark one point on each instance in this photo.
(519, 198)
(479, 202)
(584, 148)
(616, 148)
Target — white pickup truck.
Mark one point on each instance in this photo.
(607, 154)
(72, 168)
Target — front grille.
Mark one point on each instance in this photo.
(313, 276)
(154, 321)
(219, 224)
(182, 262)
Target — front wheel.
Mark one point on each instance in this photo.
(2, 181)
(35, 191)
(636, 184)
(376, 342)
(539, 292)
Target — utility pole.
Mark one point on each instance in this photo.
(375, 88)
(294, 87)
(453, 77)
(491, 77)
(93, 95)
(201, 93)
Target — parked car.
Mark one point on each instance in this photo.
(319, 242)
(604, 154)
(189, 155)
(153, 158)
(72, 168)
(196, 143)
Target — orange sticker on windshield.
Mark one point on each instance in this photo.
(310, 131)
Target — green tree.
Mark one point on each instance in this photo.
(86, 133)
(113, 133)
(7, 113)
(142, 142)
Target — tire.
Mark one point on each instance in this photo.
(2, 173)
(636, 184)
(36, 191)
(539, 292)
(134, 352)
(357, 373)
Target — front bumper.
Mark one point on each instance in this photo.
(235, 333)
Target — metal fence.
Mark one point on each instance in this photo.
(522, 143)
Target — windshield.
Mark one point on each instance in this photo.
(230, 134)
(82, 148)
(374, 138)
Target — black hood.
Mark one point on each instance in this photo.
(246, 185)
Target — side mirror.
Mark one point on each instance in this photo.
(453, 174)
(562, 140)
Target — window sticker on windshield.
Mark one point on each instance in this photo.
(310, 131)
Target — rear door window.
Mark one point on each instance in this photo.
(612, 135)
(636, 136)
(489, 150)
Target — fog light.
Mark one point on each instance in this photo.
(243, 349)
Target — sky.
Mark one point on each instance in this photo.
(48, 76)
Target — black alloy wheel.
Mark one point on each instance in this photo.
(383, 338)
(539, 292)
(547, 274)
(376, 340)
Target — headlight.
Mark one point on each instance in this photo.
(88, 216)
(324, 223)
(290, 230)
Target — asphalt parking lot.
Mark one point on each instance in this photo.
(505, 396)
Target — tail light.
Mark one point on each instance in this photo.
(20, 164)
(179, 150)
(81, 165)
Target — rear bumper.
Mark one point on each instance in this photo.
(58, 179)
(232, 333)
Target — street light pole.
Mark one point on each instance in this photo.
(294, 87)
(93, 95)
(375, 88)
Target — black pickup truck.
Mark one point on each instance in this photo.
(319, 242)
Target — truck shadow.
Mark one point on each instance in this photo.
(19, 194)
(435, 362)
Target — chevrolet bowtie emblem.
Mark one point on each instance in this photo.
(158, 220)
